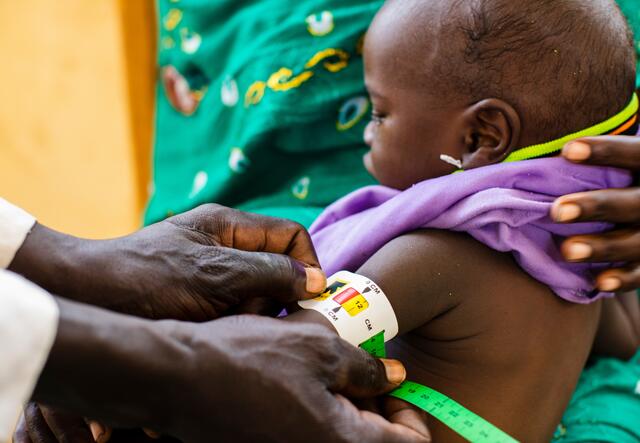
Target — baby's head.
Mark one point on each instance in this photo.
(478, 79)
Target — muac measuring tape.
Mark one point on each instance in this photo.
(461, 420)
(344, 303)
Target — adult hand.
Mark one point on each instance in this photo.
(48, 425)
(619, 206)
(296, 379)
(43, 424)
(240, 378)
(194, 266)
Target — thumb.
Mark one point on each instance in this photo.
(279, 277)
(364, 376)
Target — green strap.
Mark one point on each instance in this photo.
(469, 425)
(461, 420)
(557, 145)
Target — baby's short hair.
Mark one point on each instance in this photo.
(564, 64)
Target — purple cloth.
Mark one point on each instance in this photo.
(504, 206)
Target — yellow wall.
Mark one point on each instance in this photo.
(75, 111)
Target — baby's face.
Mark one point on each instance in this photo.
(411, 125)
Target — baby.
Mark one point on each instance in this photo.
(476, 85)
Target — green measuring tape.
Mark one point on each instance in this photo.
(461, 420)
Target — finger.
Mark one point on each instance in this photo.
(618, 151)
(276, 235)
(99, 432)
(363, 376)
(21, 435)
(251, 232)
(610, 205)
(287, 237)
(354, 425)
(67, 427)
(621, 279)
(37, 427)
(615, 246)
(275, 276)
(263, 306)
(152, 434)
(403, 413)
(373, 404)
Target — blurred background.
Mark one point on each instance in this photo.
(76, 111)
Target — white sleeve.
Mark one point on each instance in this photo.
(28, 326)
(15, 224)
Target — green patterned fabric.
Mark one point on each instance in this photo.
(282, 105)
(631, 9)
(605, 406)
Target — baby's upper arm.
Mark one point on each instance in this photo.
(420, 274)
(483, 326)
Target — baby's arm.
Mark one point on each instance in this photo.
(476, 328)
(403, 273)
(619, 330)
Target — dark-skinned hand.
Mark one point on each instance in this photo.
(237, 379)
(196, 266)
(618, 206)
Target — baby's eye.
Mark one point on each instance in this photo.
(377, 117)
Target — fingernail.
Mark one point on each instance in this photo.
(97, 431)
(578, 251)
(567, 212)
(577, 151)
(152, 434)
(396, 373)
(316, 280)
(610, 284)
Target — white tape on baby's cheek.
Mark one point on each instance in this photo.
(356, 307)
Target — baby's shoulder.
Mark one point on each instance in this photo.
(433, 271)
(446, 260)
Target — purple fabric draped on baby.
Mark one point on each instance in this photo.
(505, 206)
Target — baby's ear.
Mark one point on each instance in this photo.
(492, 132)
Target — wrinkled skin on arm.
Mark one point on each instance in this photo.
(195, 266)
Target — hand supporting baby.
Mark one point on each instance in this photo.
(618, 206)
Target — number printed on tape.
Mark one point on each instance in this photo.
(356, 307)
(461, 420)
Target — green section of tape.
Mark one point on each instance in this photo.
(469, 425)
(461, 420)
(375, 346)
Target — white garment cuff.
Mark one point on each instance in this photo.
(15, 224)
(28, 327)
